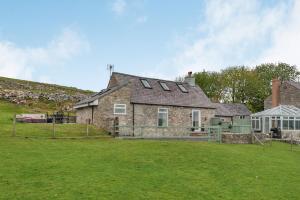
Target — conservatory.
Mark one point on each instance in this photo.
(285, 117)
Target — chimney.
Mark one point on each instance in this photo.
(275, 92)
(189, 79)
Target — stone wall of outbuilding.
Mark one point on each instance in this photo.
(235, 138)
(82, 114)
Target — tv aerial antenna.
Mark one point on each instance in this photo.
(110, 68)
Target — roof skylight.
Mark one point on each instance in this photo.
(164, 86)
(182, 88)
(146, 83)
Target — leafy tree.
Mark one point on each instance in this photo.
(211, 84)
(282, 71)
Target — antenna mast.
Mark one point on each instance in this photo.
(110, 68)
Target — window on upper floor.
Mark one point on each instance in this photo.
(164, 86)
(182, 88)
(146, 83)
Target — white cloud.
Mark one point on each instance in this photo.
(286, 41)
(18, 62)
(238, 32)
(119, 7)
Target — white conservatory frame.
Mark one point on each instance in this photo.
(285, 117)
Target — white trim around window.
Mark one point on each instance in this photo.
(162, 117)
(198, 115)
(120, 109)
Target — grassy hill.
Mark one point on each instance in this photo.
(42, 96)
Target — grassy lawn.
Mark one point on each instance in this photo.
(119, 169)
(107, 168)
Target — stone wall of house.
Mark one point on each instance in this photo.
(104, 113)
(144, 115)
(289, 95)
(179, 120)
(83, 114)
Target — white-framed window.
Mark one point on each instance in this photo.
(256, 123)
(196, 119)
(275, 122)
(297, 123)
(285, 123)
(162, 117)
(120, 109)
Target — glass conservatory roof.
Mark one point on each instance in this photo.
(281, 110)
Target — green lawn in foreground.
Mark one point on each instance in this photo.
(120, 169)
(107, 168)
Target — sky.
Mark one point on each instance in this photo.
(70, 42)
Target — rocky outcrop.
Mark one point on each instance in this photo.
(27, 92)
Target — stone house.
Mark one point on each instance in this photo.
(285, 93)
(228, 112)
(149, 106)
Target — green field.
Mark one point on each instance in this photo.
(107, 168)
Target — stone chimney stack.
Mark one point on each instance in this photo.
(190, 79)
(275, 92)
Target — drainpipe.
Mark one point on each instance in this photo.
(133, 119)
(92, 114)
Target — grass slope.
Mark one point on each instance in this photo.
(120, 169)
(113, 169)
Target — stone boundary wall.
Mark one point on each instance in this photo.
(238, 138)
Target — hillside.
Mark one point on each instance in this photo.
(49, 97)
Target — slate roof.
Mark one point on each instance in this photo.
(195, 97)
(231, 109)
(293, 83)
(99, 94)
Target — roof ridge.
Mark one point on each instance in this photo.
(143, 77)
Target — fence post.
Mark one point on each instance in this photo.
(53, 127)
(291, 142)
(271, 137)
(87, 127)
(220, 134)
(14, 126)
(208, 132)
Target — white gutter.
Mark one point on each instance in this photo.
(93, 103)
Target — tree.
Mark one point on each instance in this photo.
(282, 71)
(210, 83)
(235, 82)
(240, 84)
